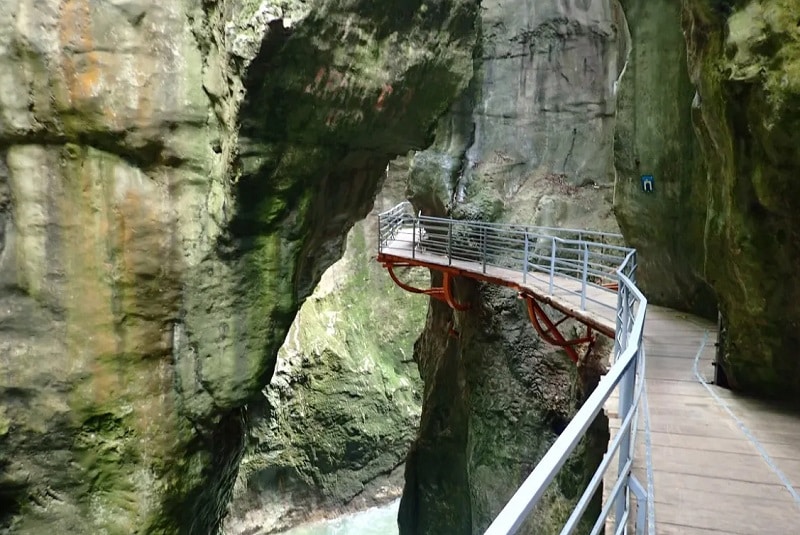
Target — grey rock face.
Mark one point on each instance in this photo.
(654, 137)
(546, 95)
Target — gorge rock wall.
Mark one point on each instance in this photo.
(654, 137)
(530, 142)
(333, 427)
(746, 67)
(721, 228)
(175, 179)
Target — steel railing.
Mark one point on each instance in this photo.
(595, 259)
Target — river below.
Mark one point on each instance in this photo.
(375, 521)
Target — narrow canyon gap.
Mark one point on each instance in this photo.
(530, 142)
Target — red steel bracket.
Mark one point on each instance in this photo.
(550, 333)
(445, 293)
(546, 327)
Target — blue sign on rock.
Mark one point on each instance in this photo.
(648, 182)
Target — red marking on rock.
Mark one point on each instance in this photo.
(387, 90)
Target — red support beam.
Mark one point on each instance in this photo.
(445, 293)
(545, 327)
(550, 333)
(448, 294)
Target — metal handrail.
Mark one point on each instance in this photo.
(553, 254)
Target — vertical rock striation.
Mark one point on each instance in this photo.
(654, 137)
(175, 178)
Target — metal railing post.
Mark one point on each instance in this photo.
(525, 262)
(380, 236)
(552, 262)
(584, 275)
(413, 238)
(483, 247)
(626, 319)
(641, 506)
(627, 385)
(450, 242)
(619, 334)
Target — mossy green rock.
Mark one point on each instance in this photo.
(174, 179)
(746, 66)
(724, 214)
(335, 422)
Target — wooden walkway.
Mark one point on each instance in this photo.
(715, 455)
(710, 477)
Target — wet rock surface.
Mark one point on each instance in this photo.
(176, 177)
(719, 232)
(331, 431)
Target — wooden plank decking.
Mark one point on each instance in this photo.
(710, 477)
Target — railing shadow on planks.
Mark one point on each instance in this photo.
(576, 272)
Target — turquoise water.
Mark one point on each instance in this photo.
(375, 521)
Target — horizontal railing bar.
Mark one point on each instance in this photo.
(521, 228)
(622, 524)
(428, 222)
(586, 497)
(612, 498)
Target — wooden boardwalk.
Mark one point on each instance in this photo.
(710, 477)
(716, 456)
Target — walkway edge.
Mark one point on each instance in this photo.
(744, 429)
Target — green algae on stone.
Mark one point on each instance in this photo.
(726, 194)
(146, 289)
(342, 406)
(5, 422)
(745, 69)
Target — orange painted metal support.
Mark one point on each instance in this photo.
(550, 333)
(545, 327)
(445, 293)
(448, 294)
(437, 293)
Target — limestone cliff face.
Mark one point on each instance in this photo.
(175, 178)
(654, 137)
(529, 143)
(333, 427)
(724, 215)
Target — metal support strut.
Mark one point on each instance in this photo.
(445, 293)
(550, 333)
